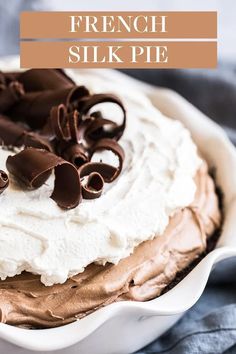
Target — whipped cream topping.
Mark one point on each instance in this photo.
(25, 301)
(157, 181)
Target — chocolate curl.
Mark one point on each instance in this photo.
(58, 122)
(34, 166)
(45, 79)
(34, 108)
(65, 128)
(93, 186)
(12, 134)
(106, 171)
(96, 129)
(97, 173)
(10, 95)
(4, 181)
(31, 139)
(111, 145)
(72, 123)
(76, 154)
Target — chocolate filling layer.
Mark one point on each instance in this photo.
(25, 301)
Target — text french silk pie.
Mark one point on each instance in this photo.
(103, 198)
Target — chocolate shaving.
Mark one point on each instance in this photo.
(4, 181)
(34, 108)
(11, 134)
(112, 145)
(31, 139)
(45, 79)
(10, 95)
(59, 114)
(64, 126)
(34, 166)
(106, 171)
(75, 153)
(93, 187)
(98, 172)
(99, 127)
(14, 135)
(69, 129)
(58, 122)
(96, 129)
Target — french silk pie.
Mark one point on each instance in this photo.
(103, 198)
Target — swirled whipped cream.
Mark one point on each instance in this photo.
(157, 181)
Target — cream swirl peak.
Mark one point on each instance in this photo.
(157, 180)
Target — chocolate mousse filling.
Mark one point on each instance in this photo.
(144, 275)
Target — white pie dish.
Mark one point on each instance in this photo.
(127, 326)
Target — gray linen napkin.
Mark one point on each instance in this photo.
(210, 326)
